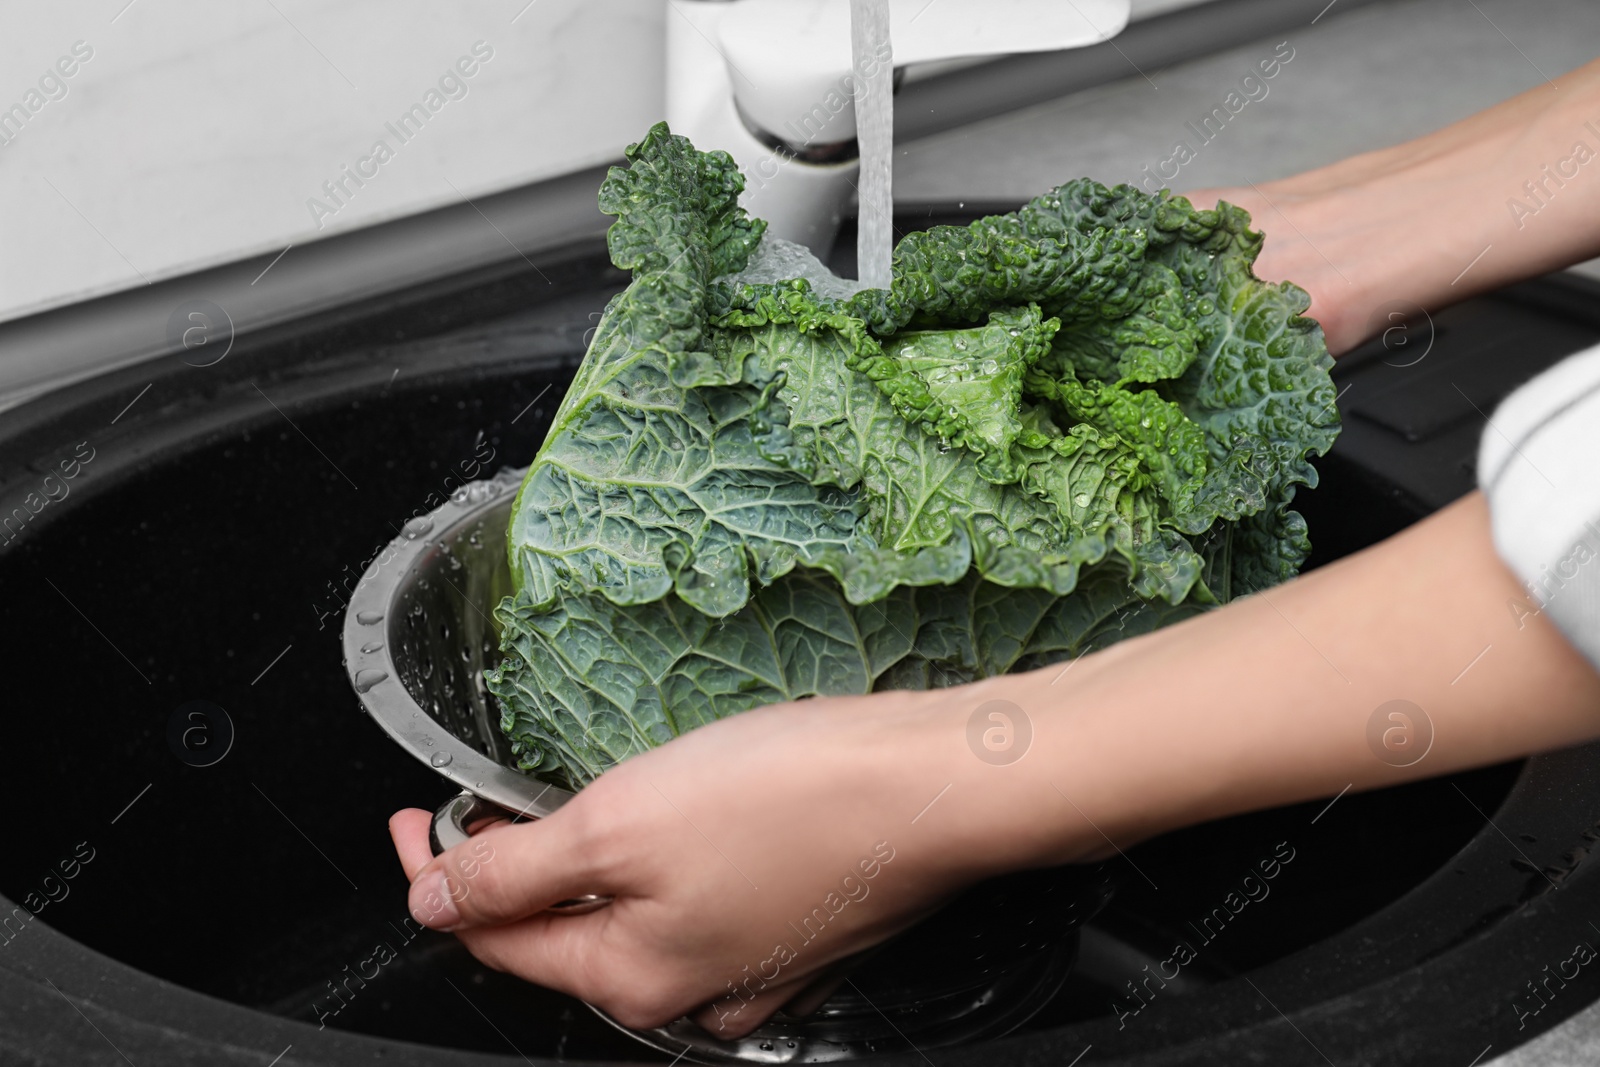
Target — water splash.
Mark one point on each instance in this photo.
(870, 49)
(777, 260)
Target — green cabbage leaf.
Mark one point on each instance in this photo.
(1056, 428)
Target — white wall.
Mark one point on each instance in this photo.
(198, 129)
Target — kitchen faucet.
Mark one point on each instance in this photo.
(772, 82)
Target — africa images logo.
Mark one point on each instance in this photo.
(999, 732)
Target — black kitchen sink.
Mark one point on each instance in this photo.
(178, 713)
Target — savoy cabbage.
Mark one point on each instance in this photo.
(1057, 428)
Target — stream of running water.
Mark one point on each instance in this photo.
(870, 49)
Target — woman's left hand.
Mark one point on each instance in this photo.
(743, 858)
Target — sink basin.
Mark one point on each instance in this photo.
(200, 563)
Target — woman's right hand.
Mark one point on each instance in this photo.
(1298, 226)
(1434, 220)
(749, 856)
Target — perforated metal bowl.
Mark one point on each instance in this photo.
(418, 634)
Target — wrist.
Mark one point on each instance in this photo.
(1396, 242)
(1045, 767)
(965, 783)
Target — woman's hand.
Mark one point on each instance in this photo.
(1299, 228)
(743, 857)
(1504, 195)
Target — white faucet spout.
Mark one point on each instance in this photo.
(774, 83)
(870, 45)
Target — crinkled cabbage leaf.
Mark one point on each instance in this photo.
(1056, 428)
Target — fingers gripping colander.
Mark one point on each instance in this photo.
(417, 636)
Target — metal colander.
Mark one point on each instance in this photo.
(418, 634)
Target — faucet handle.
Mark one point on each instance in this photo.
(791, 69)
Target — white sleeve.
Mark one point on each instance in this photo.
(1539, 465)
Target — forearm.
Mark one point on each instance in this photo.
(1267, 701)
(1490, 134)
(1460, 189)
